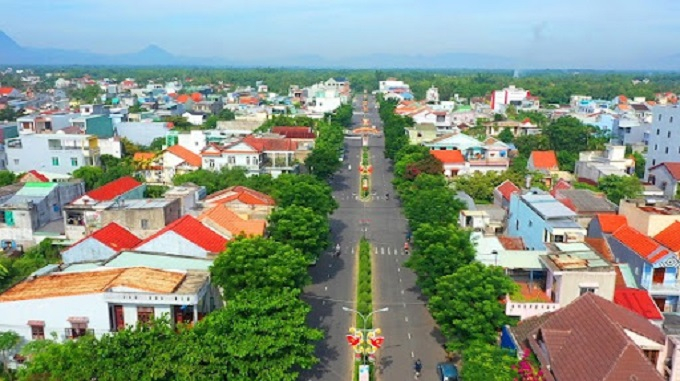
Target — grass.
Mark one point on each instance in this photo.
(364, 294)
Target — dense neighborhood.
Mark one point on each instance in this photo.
(543, 238)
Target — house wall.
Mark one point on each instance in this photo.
(88, 250)
(157, 218)
(35, 154)
(665, 181)
(524, 222)
(16, 314)
(111, 146)
(194, 141)
(646, 223)
(142, 132)
(570, 283)
(172, 243)
(639, 267)
(664, 137)
(22, 230)
(594, 229)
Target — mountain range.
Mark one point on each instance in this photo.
(11, 53)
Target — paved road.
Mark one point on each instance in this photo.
(408, 328)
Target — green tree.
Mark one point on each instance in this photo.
(487, 362)
(8, 114)
(259, 335)
(640, 163)
(617, 188)
(7, 178)
(89, 175)
(157, 144)
(439, 250)
(304, 190)
(506, 135)
(88, 94)
(136, 108)
(301, 228)
(428, 165)
(511, 111)
(8, 342)
(155, 191)
(179, 122)
(472, 288)
(323, 162)
(259, 263)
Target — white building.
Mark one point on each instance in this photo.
(511, 95)
(432, 95)
(52, 153)
(595, 164)
(664, 137)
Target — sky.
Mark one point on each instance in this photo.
(553, 32)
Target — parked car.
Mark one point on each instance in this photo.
(447, 371)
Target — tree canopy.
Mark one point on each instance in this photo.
(301, 228)
(617, 188)
(304, 190)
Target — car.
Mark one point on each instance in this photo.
(447, 371)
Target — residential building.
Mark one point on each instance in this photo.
(650, 218)
(230, 225)
(543, 161)
(186, 236)
(640, 302)
(585, 203)
(488, 156)
(503, 193)
(539, 218)
(432, 95)
(664, 140)
(174, 160)
(255, 154)
(188, 194)
(592, 165)
(104, 301)
(143, 133)
(101, 245)
(100, 126)
(52, 153)
(666, 176)
(245, 202)
(142, 217)
(511, 95)
(422, 133)
(195, 117)
(208, 107)
(10, 92)
(40, 123)
(33, 208)
(625, 345)
(81, 217)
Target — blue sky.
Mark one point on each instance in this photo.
(574, 32)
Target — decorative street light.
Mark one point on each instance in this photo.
(372, 336)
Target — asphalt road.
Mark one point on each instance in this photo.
(408, 328)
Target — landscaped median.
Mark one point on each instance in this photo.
(364, 349)
(365, 170)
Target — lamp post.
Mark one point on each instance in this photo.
(365, 319)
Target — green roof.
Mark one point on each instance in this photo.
(36, 189)
(159, 261)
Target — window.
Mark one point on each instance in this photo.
(78, 328)
(654, 162)
(231, 159)
(652, 355)
(659, 117)
(55, 161)
(558, 238)
(211, 163)
(144, 314)
(669, 134)
(588, 289)
(16, 161)
(74, 162)
(658, 131)
(517, 225)
(666, 150)
(670, 119)
(37, 330)
(247, 160)
(531, 224)
(145, 223)
(656, 147)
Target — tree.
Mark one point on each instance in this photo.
(136, 108)
(486, 362)
(472, 288)
(8, 114)
(8, 341)
(640, 163)
(179, 122)
(130, 148)
(506, 135)
(323, 162)
(304, 190)
(498, 117)
(259, 263)
(434, 205)
(427, 165)
(511, 111)
(87, 94)
(438, 251)
(617, 188)
(258, 335)
(7, 178)
(301, 228)
(89, 175)
(157, 144)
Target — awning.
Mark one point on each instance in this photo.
(36, 323)
(78, 320)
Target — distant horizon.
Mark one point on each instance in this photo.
(530, 35)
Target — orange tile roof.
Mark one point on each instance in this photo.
(639, 243)
(93, 282)
(182, 98)
(114, 236)
(623, 99)
(113, 189)
(673, 168)
(448, 156)
(638, 301)
(544, 159)
(609, 223)
(193, 231)
(507, 188)
(670, 236)
(624, 107)
(38, 176)
(243, 194)
(196, 97)
(189, 157)
(270, 144)
(231, 222)
(6, 90)
(143, 156)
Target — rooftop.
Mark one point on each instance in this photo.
(142, 203)
(610, 222)
(157, 261)
(670, 236)
(92, 282)
(193, 231)
(547, 206)
(641, 244)
(638, 301)
(507, 188)
(448, 156)
(544, 159)
(113, 189)
(574, 257)
(585, 201)
(114, 236)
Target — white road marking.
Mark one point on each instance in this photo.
(412, 355)
(409, 335)
(375, 250)
(382, 250)
(326, 289)
(388, 251)
(402, 291)
(404, 305)
(323, 303)
(406, 319)
(398, 269)
(399, 280)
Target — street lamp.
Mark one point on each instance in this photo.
(364, 318)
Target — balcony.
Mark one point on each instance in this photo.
(665, 289)
(530, 300)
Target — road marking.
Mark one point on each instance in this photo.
(382, 250)
(326, 289)
(352, 250)
(402, 291)
(375, 250)
(406, 319)
(388, 251)
(409, 335)
(404, 305)
(398, 269)
(323, 302)
(412, 355)
(399, 280)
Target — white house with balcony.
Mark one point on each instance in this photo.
(52, 153)
(592, 165)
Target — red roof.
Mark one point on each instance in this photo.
(448, 156)
(507, 188)
(294, 132)
(642, 245)
(113, 189)
(182, 98)
(638, 301)
(116, 237)
(609, 223)
(38, 176)
(670, 236)
(186, 155)
(672, 167)
(196, 97)
(193, 231)
(270, 144)
(6, 90)
(243, 194)
(544, 159)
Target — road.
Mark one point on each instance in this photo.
(408, 328)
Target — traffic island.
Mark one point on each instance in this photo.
(365, 171)
(365, 340)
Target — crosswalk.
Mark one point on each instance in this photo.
(388, 250)
(356, 197)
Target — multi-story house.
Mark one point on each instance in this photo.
(650, 218)
(34, 206)
(80, 216)
(143, 217)
(255, 154)
(100, 126)
(666, 176)
(208, 107)
(174, 160)
(664, 138)
(53, 153)
(539, 218)
(101, 245)
(488, 156)
(44, 123)
(595, 164)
